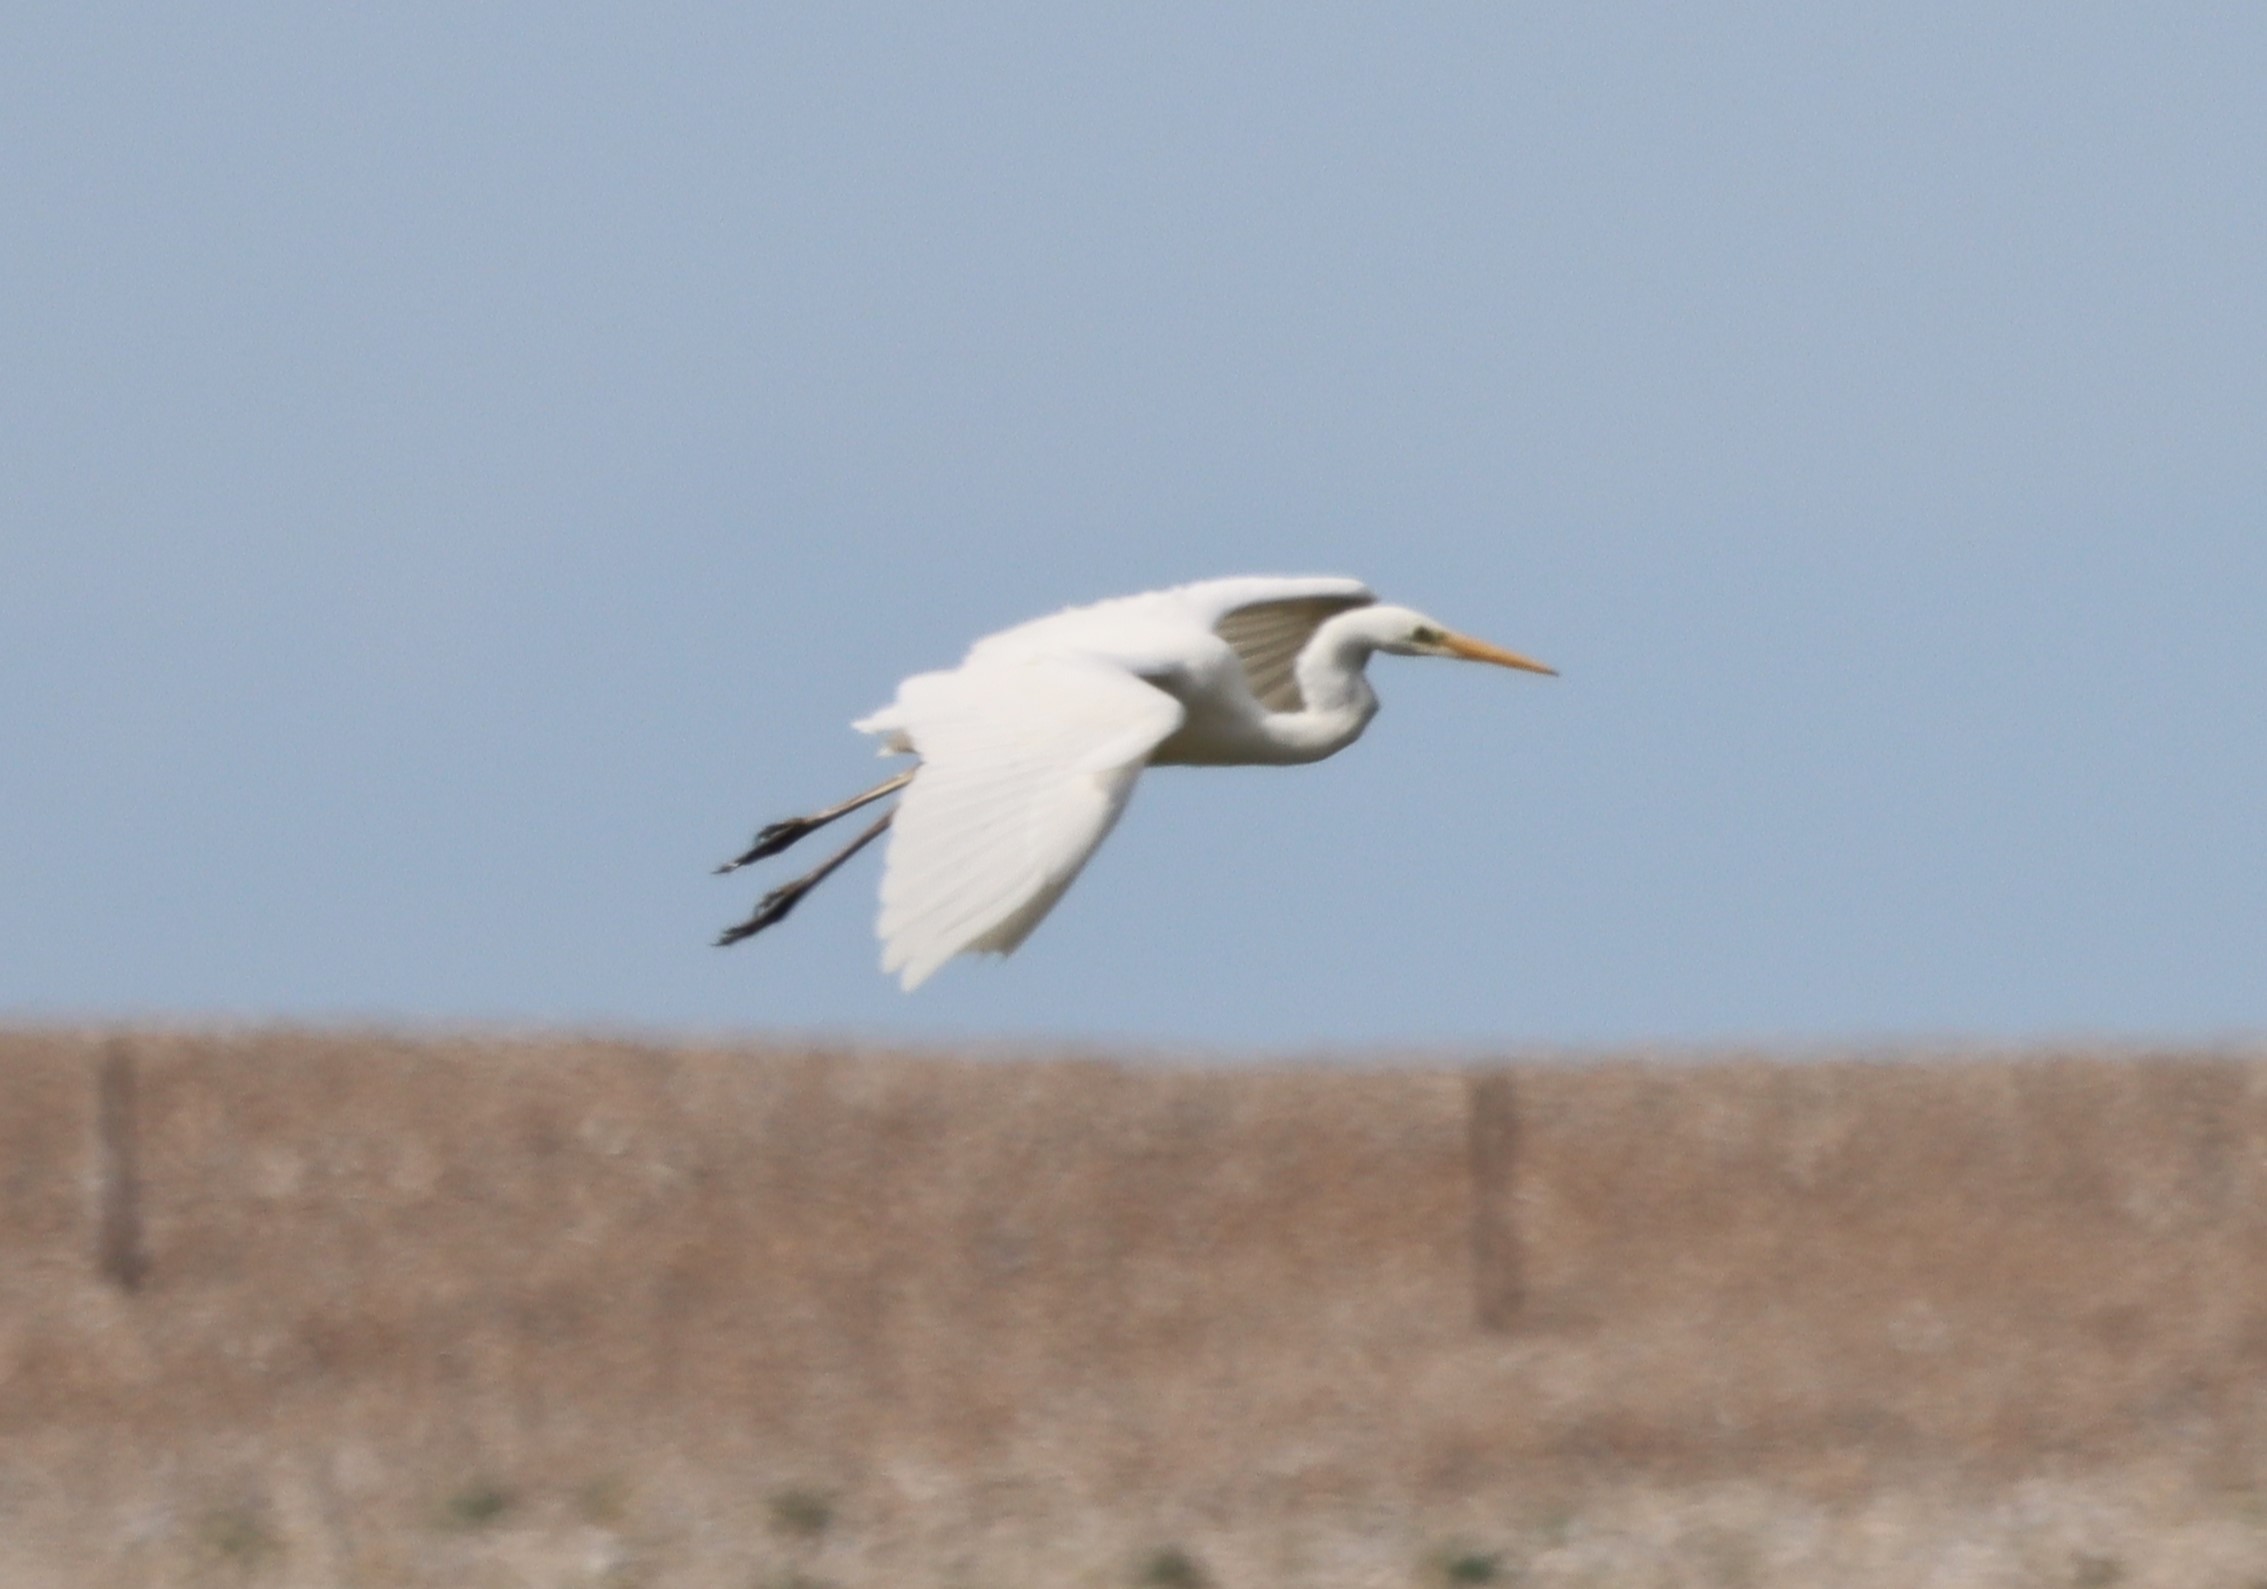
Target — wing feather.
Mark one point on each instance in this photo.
(1025, 767)
(1267, 637)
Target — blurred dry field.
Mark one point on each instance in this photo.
(286, 1308)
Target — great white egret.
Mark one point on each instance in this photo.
(1029, 749)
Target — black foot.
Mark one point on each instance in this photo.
(773, 907)
(770, 841)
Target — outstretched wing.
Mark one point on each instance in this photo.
(1025, 767)
(1267, 637)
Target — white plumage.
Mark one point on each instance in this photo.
(1031, 747)
(1025, 765)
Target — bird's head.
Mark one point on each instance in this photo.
(1408, 633)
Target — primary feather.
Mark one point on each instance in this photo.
(1025, 766)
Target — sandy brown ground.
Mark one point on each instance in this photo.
(288, 1308)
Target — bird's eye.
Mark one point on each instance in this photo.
(1426, 635)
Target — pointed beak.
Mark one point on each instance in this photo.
(1472, 650)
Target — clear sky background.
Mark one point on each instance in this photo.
(462, 467)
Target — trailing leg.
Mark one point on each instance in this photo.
(775, 905)
(779, 835)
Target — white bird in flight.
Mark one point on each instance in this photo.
(1030, 748)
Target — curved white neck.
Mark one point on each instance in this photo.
(1338, 697)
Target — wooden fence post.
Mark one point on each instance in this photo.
(1499, 1280)
(119, 1253)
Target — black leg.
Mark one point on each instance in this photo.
(775, 905)
(780, 835)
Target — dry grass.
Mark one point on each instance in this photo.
(558, 1313)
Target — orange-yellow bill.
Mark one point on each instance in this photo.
(1480, 651)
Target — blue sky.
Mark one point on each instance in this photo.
(461, 469)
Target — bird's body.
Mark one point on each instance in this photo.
(1031, 747)
(1171, 640)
